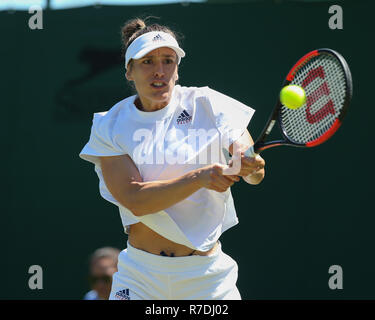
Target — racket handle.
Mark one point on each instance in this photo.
(251, 153)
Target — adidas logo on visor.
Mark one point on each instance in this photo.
(158, 37)
(184, 117)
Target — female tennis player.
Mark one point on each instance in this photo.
(159, 156)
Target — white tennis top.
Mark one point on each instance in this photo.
(189, 133)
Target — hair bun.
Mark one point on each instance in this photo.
(131, 28)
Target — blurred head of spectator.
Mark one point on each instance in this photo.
(103, 264)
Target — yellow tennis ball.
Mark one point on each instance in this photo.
(292, 96)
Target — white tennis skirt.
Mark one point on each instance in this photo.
(145, 276)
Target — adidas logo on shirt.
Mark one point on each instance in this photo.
(184, 118)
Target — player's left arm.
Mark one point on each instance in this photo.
(252, 169)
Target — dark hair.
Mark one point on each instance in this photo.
(134, 28)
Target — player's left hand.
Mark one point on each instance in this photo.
(255, 166)
(251, 166)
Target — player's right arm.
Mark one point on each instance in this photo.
(125, 183)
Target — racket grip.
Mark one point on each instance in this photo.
(251, 153)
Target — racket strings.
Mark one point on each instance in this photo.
(324, 82)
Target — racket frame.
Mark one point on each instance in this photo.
(260, 143)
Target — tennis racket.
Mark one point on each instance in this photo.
(325, 76)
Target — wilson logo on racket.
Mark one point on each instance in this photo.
(322, 90)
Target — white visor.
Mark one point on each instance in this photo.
(150, 41)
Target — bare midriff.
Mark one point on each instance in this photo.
(143, 238)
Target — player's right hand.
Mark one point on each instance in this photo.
(212, 177)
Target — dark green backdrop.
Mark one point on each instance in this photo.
(313, 209)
